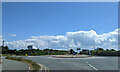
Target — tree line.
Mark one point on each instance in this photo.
(6, 50)
(102, 52)
(98, 51)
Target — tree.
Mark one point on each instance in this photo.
(46, 50)
(51, 51)
(112, 50)
(6, 47)
(37, 49)
(71, 51)
(101, 49)
(5, 50)
(107, 49)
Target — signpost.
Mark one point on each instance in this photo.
(78, 50)
(25, 54)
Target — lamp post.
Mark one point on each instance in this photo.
(78, 50)
(48, 47)
(93, 44)
(67, 48)
(3, 43)
(93, 41)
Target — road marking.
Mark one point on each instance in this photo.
(43, 67)
(92, 66)
(46, 69)
(29, 68)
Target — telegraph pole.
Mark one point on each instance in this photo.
(94, 42)
(3, 43)
(48, 47)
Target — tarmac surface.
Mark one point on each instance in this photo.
(91, 63)
(13, 65)
(0, 67)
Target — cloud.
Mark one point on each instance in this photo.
(1, 36)
(1, 39)
(12, 35)
(81, 39)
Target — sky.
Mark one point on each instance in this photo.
(35, 23)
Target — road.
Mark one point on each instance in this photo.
(0, 67)
(13, 65)
(93, 63)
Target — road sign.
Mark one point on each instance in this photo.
(78, 48)
(25, 54)
(74, 53)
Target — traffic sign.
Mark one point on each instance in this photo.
(78, 48)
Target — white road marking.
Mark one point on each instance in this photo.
(41, 67)
(92, 66)
(45, 68)
(29, 68)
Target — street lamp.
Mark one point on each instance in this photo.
(48, 47)
(78, 50)
(93, 41)
(93, 44)
(3, 43)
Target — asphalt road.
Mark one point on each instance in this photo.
(93, 63)
(13, 65)
(0, 67)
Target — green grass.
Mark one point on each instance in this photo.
(6, 55)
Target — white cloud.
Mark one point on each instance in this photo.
(12, 35)
(82, 39)
(1, 39)
(1, 36)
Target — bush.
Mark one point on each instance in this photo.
(8, 57)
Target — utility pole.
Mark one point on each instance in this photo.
(66, 48)
(3, 43)
(94, 42)
(48, 47)
(77, 51)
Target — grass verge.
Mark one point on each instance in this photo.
(34, 67)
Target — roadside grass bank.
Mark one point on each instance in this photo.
(34, 67)
(6, 55)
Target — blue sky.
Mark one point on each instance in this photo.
(37, 19)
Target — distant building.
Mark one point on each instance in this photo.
(85, 50)
(30, 47)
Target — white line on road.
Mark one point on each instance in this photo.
(92, 66)
(29, 68)
(41, 67)
(44, 68)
